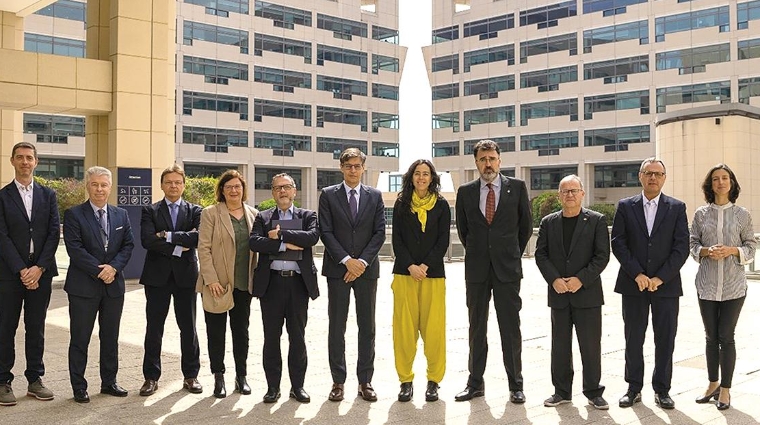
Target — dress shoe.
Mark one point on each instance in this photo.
(406, 391)
(219, 390)
(300, 395)
(629, 399)
(599, 403)
(707, 398)
(517, 397)
(7, 398)
(431, 393)
(336, 393)
(723, 406)
(272, 395)
(149, 387)
(192, 385)
(367, 392)
(556, 400)
(664, 401)
(81, 396)
(241, 385)
(114, 390)
(39, 391)
(469, 393)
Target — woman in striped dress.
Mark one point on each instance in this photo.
(722, 241)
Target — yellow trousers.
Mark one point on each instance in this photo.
(419, 309)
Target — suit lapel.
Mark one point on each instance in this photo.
(638, 212)
(36, 200)
(16, 197)
(340, 192)
(662, 211)
(163, 213)
(582, 222)
(504, 192)
(182, 213)
(363, 202)
(89, 216)
(224, 217)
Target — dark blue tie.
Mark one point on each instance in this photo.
(173, 208)
(103, 225)
(353, 203)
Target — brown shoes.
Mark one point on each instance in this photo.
(367, 392)
(149, 387)
(192, 385)
(336, 394)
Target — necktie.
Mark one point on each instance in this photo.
(103, 225)
(353, 204)
(173, 208)
(651, 211)
(490, 203)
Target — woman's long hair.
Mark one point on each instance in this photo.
(407, 184)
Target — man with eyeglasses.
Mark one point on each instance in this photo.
(352, 222)
(169, 233)
(572, 250)
(284, 280)
(494, 224)
(650, 239)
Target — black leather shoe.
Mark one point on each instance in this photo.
(517, 397)
(219, 389)
(664, 401)
(149, 387)
(241, 385)
(407, 390)
(114, 390)
(707, 398)
(469, 393)
(431, 393)
(367, 392)
(300, 395)
(272, 395)
(629, 399)
(723, 406)
(81, 396)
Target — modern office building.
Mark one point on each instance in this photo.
(576, 86)
(263, 87)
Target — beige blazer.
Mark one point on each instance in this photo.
(216, 249)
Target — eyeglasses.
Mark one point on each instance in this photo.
(174, 183)
(354, 167)
(570, 192)
(282, 187)
(485, 159)
(233, 187)
(649, 174)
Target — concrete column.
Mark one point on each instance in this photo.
(11, 122)
(250, 179)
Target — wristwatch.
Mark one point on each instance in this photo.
(42, 269)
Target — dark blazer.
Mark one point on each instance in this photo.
(81, 233)
(502, 243)
(412, 246)
(588, 256)
(306, 239)
(15, 230)
(159, 261)
(660, 255)
(343, 236)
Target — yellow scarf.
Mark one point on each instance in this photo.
(422, 205)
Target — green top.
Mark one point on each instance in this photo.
(242, 252)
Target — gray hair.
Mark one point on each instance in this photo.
(284, 176)
(651, 160)
(97, 171)
(571, 177)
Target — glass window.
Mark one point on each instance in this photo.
(328, 178)
(341, 88)
(342, 28)
(342, 116)
(549, 79)
(715, 17)
(237, 6)
(394, 185)
(506, 144)
(549, 178)
(616, 175)
(445, 91)
(612, 34)
(207, 170)
(547, 16)
(213, 34)
(748, 49)
(616, 102)
(441, 149)
(215, 71)
(281, 143)
(336, 145)
(555, 108)
(285, 46)
(617, 70)
(542, 46)
(380, 119)
(447, 120)
(384, 63)
(445, 63)
(446, 34)
(273, 108)
(53, 128)
(54, 45)
(488, 28)
(345, 56)
(282, 16)
(489, 88)
(60, 168)
(282, 80)
(214, 139)
(689, 61)
(65, 9)
(548, 144)
(263, 176)
(489, 116)
(616, 138)
(214, 102)
(609, 7)
(489, 55)
(386, 35)
(694, 93)
(746, 12)
(384, 91)
(385, 149)
(748, 87)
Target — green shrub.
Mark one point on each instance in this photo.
(608, 210)
(200, 190)
(543, 205)
(69, 192)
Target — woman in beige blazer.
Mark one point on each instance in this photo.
(226, 275)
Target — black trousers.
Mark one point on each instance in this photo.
(664, 324)
(156, 309)
(35, 305)
(216, 332)
(339, 297)
(719, 318)
(285, 302)
(82, 313)
(507, 302)
(588, 328)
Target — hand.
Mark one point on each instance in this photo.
(33, 286)
(216, 289)
(355, 267)
(107, 273)
(30, 275)
(293, 247)
(184, 248)
(719, 251)
(417, 272)
(643, 281)
(349, 277)
(559, 285)
(274, 233)
(654, 283)
(573, 284)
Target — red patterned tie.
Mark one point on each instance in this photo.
(490, 203)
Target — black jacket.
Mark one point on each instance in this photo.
(412, 246)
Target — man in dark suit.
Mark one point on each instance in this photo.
(573, 249)
(169, 233)
(494, 224)
(29, 235)
(99, 242)
(650, 238)
(284, 280)
(352, 223)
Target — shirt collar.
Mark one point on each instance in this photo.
(96, 208)
(168, 202)
(656, 199)
(348, 188)
(21, 187)
(496, 183)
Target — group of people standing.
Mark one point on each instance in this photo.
(245, 253)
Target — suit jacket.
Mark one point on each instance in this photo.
(502, 243)
(82, 235)
(305, 238)
(660, 255)
(588, 256)
(159, 260)
(15, 231)
(216, 246)
(343, 236)
(413, 246)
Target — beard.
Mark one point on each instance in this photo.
(489, 174)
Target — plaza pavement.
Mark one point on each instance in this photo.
(172, 405)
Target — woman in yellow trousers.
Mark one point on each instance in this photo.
(421, 227)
